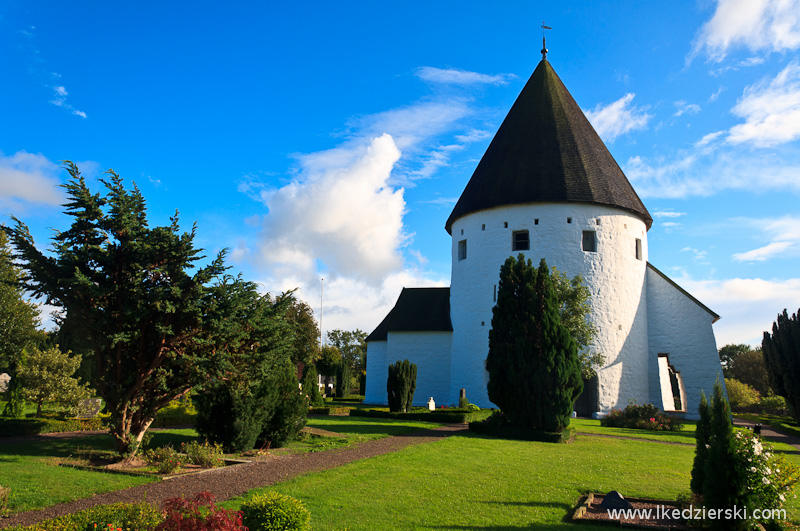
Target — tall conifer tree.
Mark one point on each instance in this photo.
(782, 357)
(533, 364)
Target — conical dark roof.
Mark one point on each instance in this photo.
(547, 151)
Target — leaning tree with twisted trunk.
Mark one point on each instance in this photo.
(128, 294)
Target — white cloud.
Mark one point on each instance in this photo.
(686, 108)
(706, 173)
(715, 95)
(708, 139)
(747, 306)
(758, 25)
(29, 177)
(474, 135)
(782, 233)
(618, 118)
(762, 253)
(460, 77)
(668, 214)
(60, 100)
(341, 212)
(771, 110)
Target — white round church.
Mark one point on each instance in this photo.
(547, 187)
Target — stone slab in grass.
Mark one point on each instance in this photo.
(660, 513)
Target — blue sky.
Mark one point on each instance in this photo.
(319, 139)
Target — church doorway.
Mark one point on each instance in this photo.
(586, 404)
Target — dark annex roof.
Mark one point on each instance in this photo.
(417, 310)
(547, 151)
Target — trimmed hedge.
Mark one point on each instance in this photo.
(522, 434)
(119, 515)
(33, 426)
(330, 410)
(454, 416)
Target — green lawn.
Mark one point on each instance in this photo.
(474, 482)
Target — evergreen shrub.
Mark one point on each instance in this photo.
(310, 386)
(702, 436)
(401, 385)
(782, 357)
(273, 511)
(232, 417)
(288, 415)
(642, 417)
(499, 425)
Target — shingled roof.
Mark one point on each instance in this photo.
(547, 151)
(417, 310)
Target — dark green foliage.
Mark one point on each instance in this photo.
(453, 416)
(498, 425)
(306, 332)
(401, 385)
(18, 322)
(273, 511)
(702, 436)
(644, 417)
(232, 417)
(290, 412)
(252, 394)
(352, 347)
(342, 380)
(782, 357)
(724, 485)
(749, 368)
(729, 353)
(128, 298)
(311, 387)
(533, 364)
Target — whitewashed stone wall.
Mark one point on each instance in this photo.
(681, 328)
(430, 351)
(375, 391)
(615, 277)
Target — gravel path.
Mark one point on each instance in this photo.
(232, 481)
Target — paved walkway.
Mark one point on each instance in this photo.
(769, 433)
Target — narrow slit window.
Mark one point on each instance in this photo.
(483, 226)
(638, 249)
(505, 224)
(520, 241)
(462, 250)
(569, 220)
(589, 241)
(536, 221)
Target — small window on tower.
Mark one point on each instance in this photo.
(589, 241)
(520, 241)
(462, 250)
(638, 249)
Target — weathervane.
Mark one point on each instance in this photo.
(544, 47)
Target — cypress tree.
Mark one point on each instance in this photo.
(533, 363)
(311, 387)
(724, 487)
(342, 379)
(401, 385)
(782, 357)
(702, 435)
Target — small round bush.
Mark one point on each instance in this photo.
(273, 511)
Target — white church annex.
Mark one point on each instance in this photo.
(547, 187)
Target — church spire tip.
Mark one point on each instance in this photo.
(544, 46)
